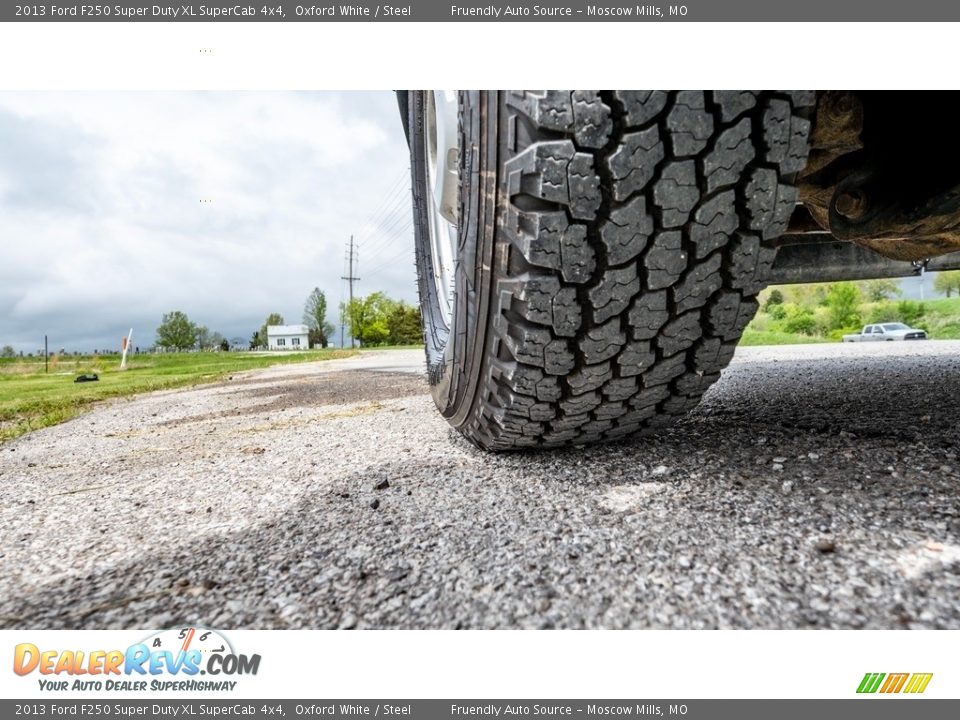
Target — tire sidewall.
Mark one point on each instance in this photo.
(454, 352)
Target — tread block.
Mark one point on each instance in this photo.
(676, 193)
(732, 152)
(714, 222)
(648, 314)
(589, 377)
(579, 405)
(785, 136)
(712, 355)
(535, 346)
(635, 161)
(554, 171)
(636, 357)
(650, 396)
(526, 343)
(733, 103)
(557, 358)
(621, 388)
(592, 430)
(678, 405)
(729, 315)
(533, 297)
(698, 285)
(769, 203)
(694, 384)
(577, 257)
(610, 411)
(528, 380)
(679, 334)
(603, 342)
(541, 299)
(626, 232)
(584, 186)
(560, 437)
(592, 121)
(542, 412)
(549, 240)
(664, 371)
(689, 123)
(760, 198)
(550, 109)
(566, 312)
(614, 292)
(787, 199)
(665, 261)
(751, 263)
(802, 98)
(642, 106)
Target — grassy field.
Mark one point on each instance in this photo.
(31, 399)
(940, 317)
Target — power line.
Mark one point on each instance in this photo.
(388, 262)
(399, 209)
(398, 190)
(385, 241)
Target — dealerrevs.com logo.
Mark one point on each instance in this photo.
(170, 660)
(888, 683)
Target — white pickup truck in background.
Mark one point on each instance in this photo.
(886, 331)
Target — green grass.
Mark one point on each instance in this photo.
(31, 399)
(941, 318)
(943, 306)
(774, 337)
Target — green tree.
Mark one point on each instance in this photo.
(367, 318)
(947, 282)
(176, 332)
(843, 302)
(8, 351)
(224, 345)
(203, 337)
(910, 311)
(315, 318)
(799, 320)
(403, 325)
(879, 289)
(261, 336)
(775, 298)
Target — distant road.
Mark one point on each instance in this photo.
(817, 486)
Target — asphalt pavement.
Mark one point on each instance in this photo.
(815, 487)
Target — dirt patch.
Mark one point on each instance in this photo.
(335, 388)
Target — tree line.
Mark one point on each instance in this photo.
(374, 320)
(830, 310)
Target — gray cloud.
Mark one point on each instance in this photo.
(102, 225)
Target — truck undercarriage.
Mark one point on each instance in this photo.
(880, 195)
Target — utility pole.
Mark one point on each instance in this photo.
(350, 279)
(46, 355)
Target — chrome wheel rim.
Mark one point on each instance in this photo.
(442, 167)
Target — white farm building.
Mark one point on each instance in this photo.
(288, 337)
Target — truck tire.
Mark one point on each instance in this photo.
(608, 250)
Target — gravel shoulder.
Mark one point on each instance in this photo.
(815, 487)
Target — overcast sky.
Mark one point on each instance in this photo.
(102, 227)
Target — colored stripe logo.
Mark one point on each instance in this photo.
(913, 683)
